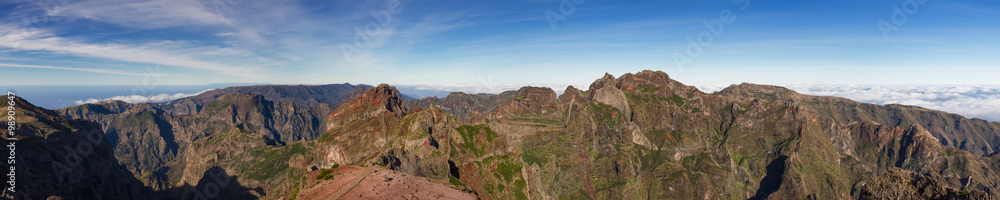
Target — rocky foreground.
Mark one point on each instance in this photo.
(352, 182)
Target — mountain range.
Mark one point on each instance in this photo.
(637, 136)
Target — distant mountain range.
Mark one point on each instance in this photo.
(638, 136)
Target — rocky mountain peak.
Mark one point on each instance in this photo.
(645, 78)
(750, 90)
(537, 94)
(42, 119)
(531, 100)
(20, 103)
(358, 91)
(571, 93)
(387, 96)
(647, 81)
(874, 133)
(382, 99)
(658, 74)
(608, 79)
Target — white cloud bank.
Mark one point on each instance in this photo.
(973, 101)
(979, 101)
(142, 99)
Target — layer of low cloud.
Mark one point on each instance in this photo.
(142, 99)
(973, 101)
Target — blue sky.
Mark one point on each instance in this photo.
(187, 42)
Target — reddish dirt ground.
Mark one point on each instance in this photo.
(350, 182)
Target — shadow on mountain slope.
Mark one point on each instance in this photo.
(215, 183)
(772, 181)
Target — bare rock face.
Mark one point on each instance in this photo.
(922, 143)
(389, 97)
(639, 138)
(538, 94)
(900, 145)
(64, 158)
(531, 99)
(381, 100)
(413, 153)
(572, 94)
(631, 81)
(902, 184)
(607, 80)
(873, 133)
(417, 142)
(615, 98)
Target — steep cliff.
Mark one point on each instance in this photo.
(64, 158)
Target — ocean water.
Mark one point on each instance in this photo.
(56, 97)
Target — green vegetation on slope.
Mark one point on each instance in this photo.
(271, 160)
(471, 135)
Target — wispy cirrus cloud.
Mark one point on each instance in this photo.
(144, 14)
(241, 20)
(243, 38)
(104, 71)
(38, 36)
(169, 53)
